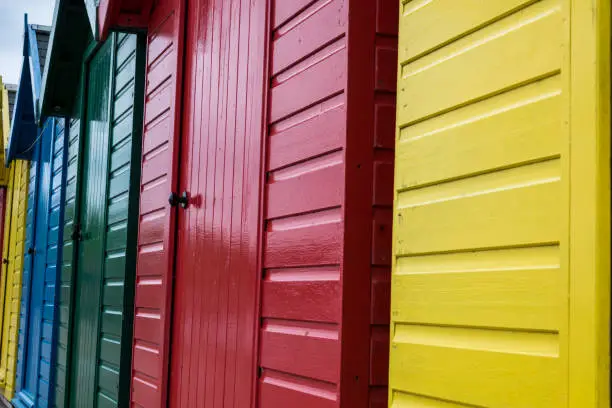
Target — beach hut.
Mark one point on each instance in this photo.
(13, 242)
(43, 146)
(98, 86)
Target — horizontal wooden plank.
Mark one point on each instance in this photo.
(517, 207)
(309, 245)
(300, 348)
(310, 30)
(308, 294)
(425, 25)
(313, 132)
(483, 136)
(520, 48)
(307, 187)
(471, 366)
(283, 390)
(510, 288)
(312, 80)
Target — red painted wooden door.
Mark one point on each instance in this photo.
(215, 305)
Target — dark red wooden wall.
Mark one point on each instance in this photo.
(329, 190)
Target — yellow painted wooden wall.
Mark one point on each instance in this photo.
(12, 273)
(501, 270)
(5, 127)
(12, 268)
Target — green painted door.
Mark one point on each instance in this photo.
(92, 219)
(73, 139)
(104, 272)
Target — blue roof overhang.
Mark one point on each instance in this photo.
(24, 129)
(23, 126)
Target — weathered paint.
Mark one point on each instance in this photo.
(501, 267)
(10, 290)
(102, 273)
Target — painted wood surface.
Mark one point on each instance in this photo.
(500, 292)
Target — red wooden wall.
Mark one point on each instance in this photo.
(129, 14)
(324, 236)
(329, 189)
(157, 219)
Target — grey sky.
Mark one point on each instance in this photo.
(11, 31)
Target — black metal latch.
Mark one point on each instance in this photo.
(5, 261)
(182, 200)
(76, 235)
(31, 251)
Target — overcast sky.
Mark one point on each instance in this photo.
(11, 31)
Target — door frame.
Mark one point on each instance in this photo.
(589, 229)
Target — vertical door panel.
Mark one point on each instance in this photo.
(55, 237)
(121, 220)
(92, 219)
(30, 312)
(215, 307)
